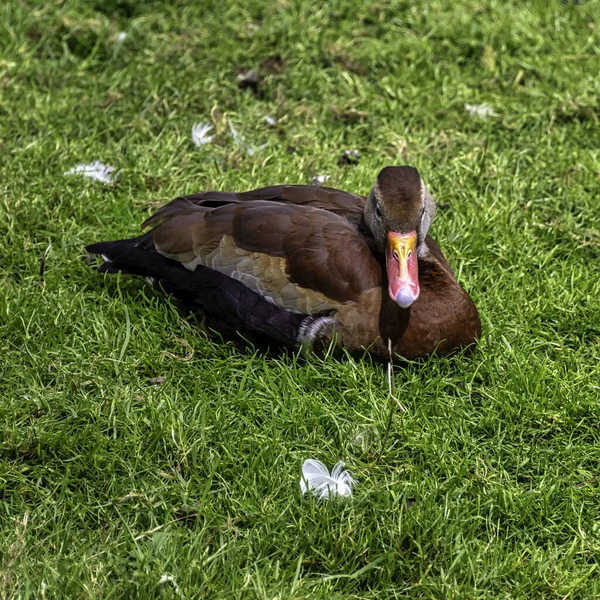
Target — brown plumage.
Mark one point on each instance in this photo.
(305, 265)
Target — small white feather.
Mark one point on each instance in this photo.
(96, 171)
(199, 134)
(320, 179)
(169, 579)
(237, 136)
(322, 484)
(240, 142)
(481, 111)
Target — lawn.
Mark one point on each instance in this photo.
(141, 456)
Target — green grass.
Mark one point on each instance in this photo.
(486, 487)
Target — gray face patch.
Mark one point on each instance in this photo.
(426, 219)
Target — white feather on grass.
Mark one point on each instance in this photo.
(317, 480)
(169, 579)
(199, 131)
(240, 142)
(96, 171)
(481, 111)
(320, 179)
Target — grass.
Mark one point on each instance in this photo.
(486, 487)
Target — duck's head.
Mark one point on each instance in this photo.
(399, 211)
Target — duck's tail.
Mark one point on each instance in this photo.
(227, 304)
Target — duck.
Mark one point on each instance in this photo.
(308, 267)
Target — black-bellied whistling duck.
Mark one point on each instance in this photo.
(297, 265)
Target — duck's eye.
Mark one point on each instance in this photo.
(378, 210)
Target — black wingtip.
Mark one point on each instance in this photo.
(97, 248)
(119, 256)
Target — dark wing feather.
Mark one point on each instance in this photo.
(228, 305)
(283, 251)
(185, 205)
(344, 204)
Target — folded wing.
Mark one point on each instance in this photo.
(301, 258)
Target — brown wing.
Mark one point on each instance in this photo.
(302, 258)
(346, 205)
